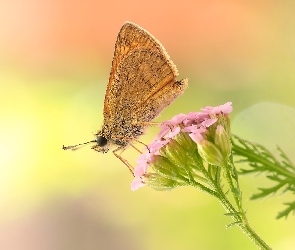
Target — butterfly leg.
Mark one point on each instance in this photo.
(123, 160)
(145, 124)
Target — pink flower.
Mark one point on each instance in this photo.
(196, 124)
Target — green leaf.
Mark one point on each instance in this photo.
(262, 161)
(287, 211)
(267, 191)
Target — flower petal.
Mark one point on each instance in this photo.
(164, 130)
(137, 183)
(194, 129)
(208, 122)
(156, 145)
(224, 109)
(174, 132)
(140, 170)
(196, 137)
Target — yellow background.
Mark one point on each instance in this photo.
(55, 58)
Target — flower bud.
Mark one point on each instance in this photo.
(186, 142)
(210, 153)
(177, 156)
(175, 153)
(160, 183)
(222, 141)
(164, 167)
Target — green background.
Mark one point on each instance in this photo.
(55, 59)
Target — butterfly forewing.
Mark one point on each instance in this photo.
(131, 37)
(141, 84)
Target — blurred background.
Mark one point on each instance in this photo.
(55, 59)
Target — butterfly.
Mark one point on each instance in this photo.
(142, 83)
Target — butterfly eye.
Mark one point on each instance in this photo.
(101, 141)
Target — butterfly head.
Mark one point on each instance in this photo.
(101, 144)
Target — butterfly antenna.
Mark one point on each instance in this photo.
(74, 146)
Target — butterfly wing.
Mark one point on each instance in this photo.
(142, 83)
(130, 38)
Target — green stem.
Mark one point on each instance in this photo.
(239, 217)
(241, 221)
(228, 177)
(201, 187)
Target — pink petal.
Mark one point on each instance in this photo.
(164, 130)
(176, 120)
(143, 163)
(141, 159)
(190, 129)
(208, 122)
(145, 157)
(174, 132)
(194, 129)
(137, 183)
(207, 109)
(193, 115)
(195, 118)
(156, 145)
(227, 108)
(140, 170)
(224, 108)
(196, 137)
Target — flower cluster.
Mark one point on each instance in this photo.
(164, 163)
